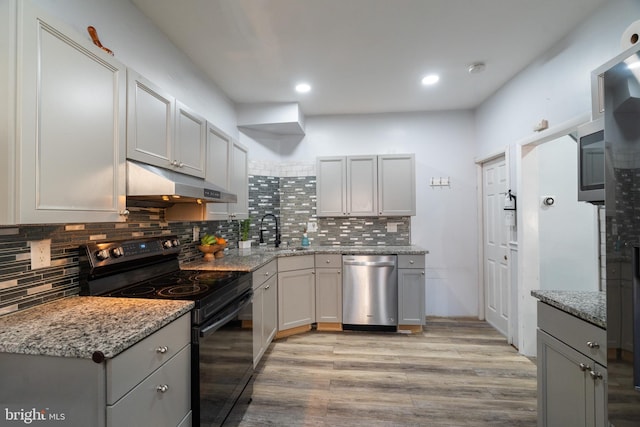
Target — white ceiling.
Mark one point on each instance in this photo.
(364, 56)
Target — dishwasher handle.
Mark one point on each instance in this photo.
(370, 263)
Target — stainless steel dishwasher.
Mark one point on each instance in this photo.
(369, 292)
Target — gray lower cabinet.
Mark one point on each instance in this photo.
(411, 290)
(328, 290)
(148, 384)
(265, 308)
(572, 373)
(296, 292)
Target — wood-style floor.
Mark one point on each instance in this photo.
(455, 373)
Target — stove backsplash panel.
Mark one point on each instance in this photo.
(292, 199)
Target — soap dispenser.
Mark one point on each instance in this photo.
(305, 238)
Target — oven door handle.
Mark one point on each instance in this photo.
(219, 322)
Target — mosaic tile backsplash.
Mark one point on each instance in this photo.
(290, 198)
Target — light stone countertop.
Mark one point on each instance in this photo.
(590, 306)
(79, 326)
(250, 260)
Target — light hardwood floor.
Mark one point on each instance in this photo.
(455, 373)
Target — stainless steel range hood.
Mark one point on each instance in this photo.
(151, 186)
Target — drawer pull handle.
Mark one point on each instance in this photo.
(410, 261)
(592, 344)
(584, 367)
(328, 261)
(162, 350)
(163, 388)
(595, 375)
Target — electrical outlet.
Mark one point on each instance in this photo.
(40, 253)
(312, 227)
(196, 233)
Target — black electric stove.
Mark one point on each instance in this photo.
(149, 268)
(221, 331)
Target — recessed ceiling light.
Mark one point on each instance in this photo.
(430, 79)
(303, 88)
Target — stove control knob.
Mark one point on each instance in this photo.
(167, 244)
(117, 252)
(175, 243)
(102, 254)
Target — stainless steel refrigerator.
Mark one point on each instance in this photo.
(621, 83)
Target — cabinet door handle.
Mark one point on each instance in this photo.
(266, 274)
(584, 367)
(163, 388)
(162, 349)
(595, 375)
(267, 287)
(422, 273)
(592, 344)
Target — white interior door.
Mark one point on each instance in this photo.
(496, 271)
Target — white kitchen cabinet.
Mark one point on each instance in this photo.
(265, 308)
(572, 373)
(66, 106)
(328, 291)
(161, 130)
(149, 384)
(411, 290)
(366, 185)
(296, 294)
(227, 166)
(396, 185)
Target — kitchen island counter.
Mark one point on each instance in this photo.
(80, 326)
(590, 306)
(250, 260)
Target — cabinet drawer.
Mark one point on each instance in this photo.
(411, 261)
(147, 405)
(134, 364)
(328, 261)
(297, 262)
(263, 274)
(573, 331)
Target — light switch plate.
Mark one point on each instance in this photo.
(40, 253)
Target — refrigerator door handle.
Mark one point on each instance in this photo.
(636, 316)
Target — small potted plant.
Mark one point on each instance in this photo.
(244, 242)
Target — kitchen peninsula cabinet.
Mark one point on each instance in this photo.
(296, 294)
(161, 130)
(572, 373)
(360, 186)
(411, 291)
(66, 105)
(147, 384)
(265, 308)
(328, 292)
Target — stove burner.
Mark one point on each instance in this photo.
(211, 277)
(182, 290)
(137, 291)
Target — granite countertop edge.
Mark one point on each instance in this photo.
(79, 326)
(254, 258)
(590, 306)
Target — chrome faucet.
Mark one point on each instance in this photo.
(277, 242)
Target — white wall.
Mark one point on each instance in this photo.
(446, 220)
(137, 43)
(568, 230)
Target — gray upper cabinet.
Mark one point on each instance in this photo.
(331, 188)
(227, 166)
(396, 185)
(67, 109)
(162, 131)
(381, 185)
(362, 190)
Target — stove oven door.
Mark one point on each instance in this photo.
(222, 365)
